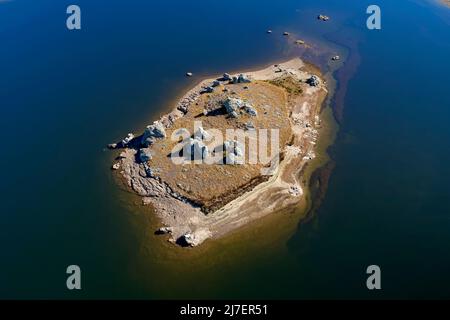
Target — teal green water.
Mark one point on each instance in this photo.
(65, 95)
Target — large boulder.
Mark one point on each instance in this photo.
(194, 238)
(243, 79)
(127, 139)
(152, 132)
(233, 104)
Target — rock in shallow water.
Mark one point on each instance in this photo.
(194, 238)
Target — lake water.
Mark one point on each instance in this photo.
(65, 94)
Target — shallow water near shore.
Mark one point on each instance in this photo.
(65, 95)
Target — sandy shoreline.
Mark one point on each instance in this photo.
(182, 217)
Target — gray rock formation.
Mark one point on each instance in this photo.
(164, 230)
(127, 139)
(152, 132)
(243, 79)
(208, 89)
(116, 166)
(233, 104)
(313, 81)
(195, 238)
(226, 77)
(250, 110)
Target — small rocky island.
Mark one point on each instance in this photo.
(197, 199)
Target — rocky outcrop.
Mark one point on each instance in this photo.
(164, 230)
(152, 132)
(242, 78)
(127, 139)
(313, 81)
(232, 105)
(207, 89)
(116, 166)
(226, 77)
(194, 238)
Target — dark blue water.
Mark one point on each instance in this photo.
(65, 94)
